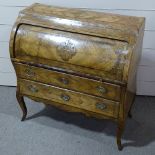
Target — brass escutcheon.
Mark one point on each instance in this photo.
(101, 106)
(64, 81)
(65, 97)
(29, 72)
(101, 89)
(33, 88)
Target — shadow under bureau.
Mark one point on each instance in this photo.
(79, 61)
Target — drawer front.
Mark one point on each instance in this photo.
(71, 98)
(68, 81)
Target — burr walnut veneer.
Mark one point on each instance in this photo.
(79, 61)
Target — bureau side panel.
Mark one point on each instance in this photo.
(131, 86)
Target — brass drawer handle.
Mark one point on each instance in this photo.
(29, 72)
(33, 88)
(65, 97)
(101, 106)
(64, 81)
(101, 89)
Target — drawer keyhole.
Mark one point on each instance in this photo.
(29, 72)
(33, 89)
(101, 89)
(64, 81)
(101, 106)
(65, 97)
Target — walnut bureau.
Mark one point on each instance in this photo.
(79, 61)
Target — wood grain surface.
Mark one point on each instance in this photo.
(75, 99)
(96, 53)
(77, 83)
(72, 59)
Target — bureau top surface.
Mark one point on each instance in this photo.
(88, 22)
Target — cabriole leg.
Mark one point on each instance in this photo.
(120, 130)
(121, 119)
(129, 114)
(22, 105)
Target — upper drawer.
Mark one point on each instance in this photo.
(106, 56)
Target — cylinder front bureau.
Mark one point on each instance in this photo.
(79, 61)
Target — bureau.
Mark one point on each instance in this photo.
(79, 61)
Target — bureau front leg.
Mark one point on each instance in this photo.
(22, 105)
(132, 101)
(120, 129)
(121, 119)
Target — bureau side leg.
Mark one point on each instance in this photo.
(120, 129)
(129, 113)
(22, 105)
(121, 119)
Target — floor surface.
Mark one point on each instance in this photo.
(49, 131)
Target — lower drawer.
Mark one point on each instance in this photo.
(68, 97)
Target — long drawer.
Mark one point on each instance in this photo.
(68, 97)
(68, 81)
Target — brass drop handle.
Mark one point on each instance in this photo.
(64, 81)
(101, 106)
(33, 89)
(65, 97)
(101, 89)
(29, 72)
